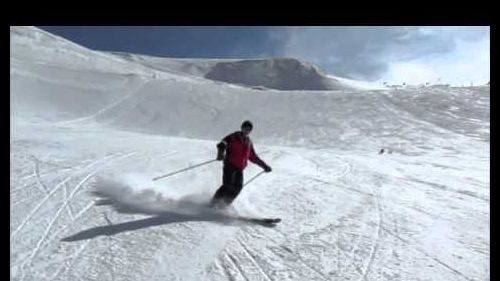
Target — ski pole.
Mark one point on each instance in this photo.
(253, 178)
(185, 169)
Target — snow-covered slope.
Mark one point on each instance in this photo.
(84, 121)
(272, 73)
(42, 48)
(281, 74)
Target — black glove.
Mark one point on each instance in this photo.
(220, 151)
(220, 156)
(267, 169)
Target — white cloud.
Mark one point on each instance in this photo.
(468, 62)
(455, 55)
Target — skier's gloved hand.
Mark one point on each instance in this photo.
(220, 157)
(220, 151)
(267, 169)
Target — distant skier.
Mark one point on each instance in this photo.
(238, 150)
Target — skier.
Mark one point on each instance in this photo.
(238, 150)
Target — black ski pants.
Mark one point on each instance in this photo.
(232, 183)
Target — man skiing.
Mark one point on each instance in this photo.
(238, 150)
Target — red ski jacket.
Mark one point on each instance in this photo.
(239, 149)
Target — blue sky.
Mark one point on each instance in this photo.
(454, 55)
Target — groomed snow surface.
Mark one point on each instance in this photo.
(89, 131)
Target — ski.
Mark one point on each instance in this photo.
(269, 221)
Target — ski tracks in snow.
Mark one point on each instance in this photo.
(445, 265)
(253, 259)
(70, 260)
(377, 181)
(103, 162)
(135, 89)
(347, 175)
(377, 235)
(28, 218)
(301, 259)
(302, 254)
